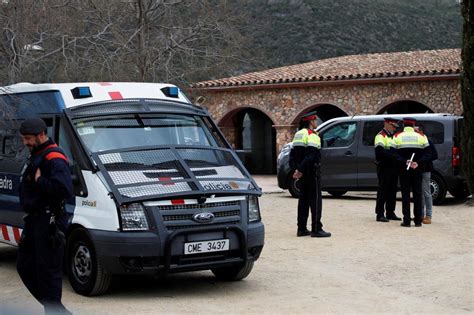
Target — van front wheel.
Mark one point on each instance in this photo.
(294, 187)
(84, 269)
(234, 273)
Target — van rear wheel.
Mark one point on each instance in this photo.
(84, 269)
(234, 273)
(438, 189)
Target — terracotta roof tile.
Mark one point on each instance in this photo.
(409, 63)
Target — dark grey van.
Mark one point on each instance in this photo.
(348, 155)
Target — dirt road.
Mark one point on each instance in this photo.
(366, 267)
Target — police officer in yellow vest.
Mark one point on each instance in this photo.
(411, 151)
(387, 173)
(305, 158)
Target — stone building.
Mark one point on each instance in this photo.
(259, 112)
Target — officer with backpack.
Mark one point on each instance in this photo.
(45, 186)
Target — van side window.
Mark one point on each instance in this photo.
(434, 130)
(371, 129)
(9, 139)
(10, 145)
(341, 135)
(64, 144)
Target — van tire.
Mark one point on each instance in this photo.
(234, 273)
(294, 188)
(81, 258)
(438, 189)
(337, 193)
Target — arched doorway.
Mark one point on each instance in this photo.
(405, 107)
(252, 134)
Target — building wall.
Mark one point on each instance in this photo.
(284, 106)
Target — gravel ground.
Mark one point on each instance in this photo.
(366, 267)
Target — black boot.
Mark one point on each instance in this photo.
(320, 233)
(392, 216)
(304, 232)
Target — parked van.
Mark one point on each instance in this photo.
(157, 187)
(347, 155)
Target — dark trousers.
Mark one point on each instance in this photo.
(387, 191)
(39, 265)
(411, 181)
(310, 198)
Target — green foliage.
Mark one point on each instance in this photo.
(285, 32)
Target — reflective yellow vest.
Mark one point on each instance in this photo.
(305, 138)
(383, 139)
(409, 138)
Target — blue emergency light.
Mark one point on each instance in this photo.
(81, 92)
(170, 91)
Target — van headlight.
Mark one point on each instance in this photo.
(133, 217)
(254, 209)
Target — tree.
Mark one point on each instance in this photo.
(121, 40)
(467, 85)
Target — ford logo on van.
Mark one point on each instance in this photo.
(204, 217)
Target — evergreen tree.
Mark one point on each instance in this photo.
(467, 86)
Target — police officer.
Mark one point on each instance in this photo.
(411, 151)
(305, 157)
(387, 173)
(45, 185)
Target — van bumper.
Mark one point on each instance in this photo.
(148, 253)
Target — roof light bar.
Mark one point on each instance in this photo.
(81, 92)
(170, 91)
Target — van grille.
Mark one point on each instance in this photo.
(199, 206)
(176, 217)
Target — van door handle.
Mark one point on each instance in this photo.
(348, 152)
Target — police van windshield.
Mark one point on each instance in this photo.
(128, 131)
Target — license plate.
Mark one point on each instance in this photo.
(206, 246)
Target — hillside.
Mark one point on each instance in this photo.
(285, 32)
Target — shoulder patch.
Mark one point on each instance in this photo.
(56, 155)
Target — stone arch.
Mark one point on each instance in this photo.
(250, 131)
(404, 106)
(325, 111)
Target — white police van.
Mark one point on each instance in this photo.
(157, 188)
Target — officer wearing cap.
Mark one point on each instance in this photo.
(305, 158)
(411, 151)
(45, 186)
(387, 173)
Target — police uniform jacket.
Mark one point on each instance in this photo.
(406, 143)
(53, 187)
(383, 154)
(305, 155)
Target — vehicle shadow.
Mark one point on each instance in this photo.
(200, 284)
(8, 256)
(196, 284)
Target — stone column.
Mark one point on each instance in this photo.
(231, 134)
(284, 134)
